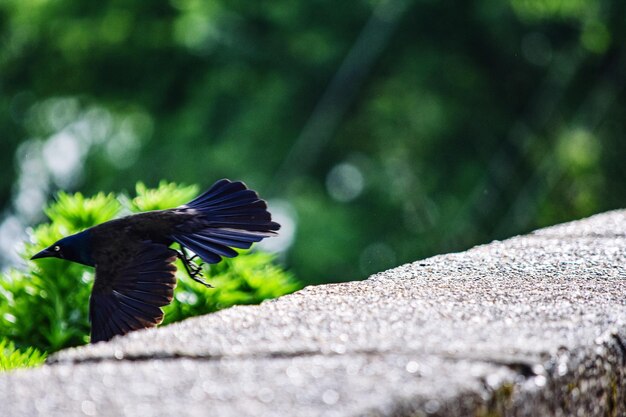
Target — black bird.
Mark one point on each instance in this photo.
(135, 272)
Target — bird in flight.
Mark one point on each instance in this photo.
(135, 271)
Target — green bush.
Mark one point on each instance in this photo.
(11, 358)
(46, 306)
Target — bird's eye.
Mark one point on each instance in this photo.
(57, 248)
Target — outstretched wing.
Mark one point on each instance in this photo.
(128, 293)
(229, 215)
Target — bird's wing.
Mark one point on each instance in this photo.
(129, 291)
(229, 216)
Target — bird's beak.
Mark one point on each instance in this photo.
(46, 253)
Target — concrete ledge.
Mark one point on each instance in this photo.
(531, 326)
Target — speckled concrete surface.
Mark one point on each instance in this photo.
(534, 325)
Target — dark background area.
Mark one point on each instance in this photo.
(381, 131)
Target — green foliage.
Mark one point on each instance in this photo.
(75, 212)
(47, 305)
(166, 195)
(12, 358)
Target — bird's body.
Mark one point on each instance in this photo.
(135, 274)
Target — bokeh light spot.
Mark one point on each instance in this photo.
(595, 37)
(345, 182)
(284, 214)
(63, 156)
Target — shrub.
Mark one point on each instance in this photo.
(11, 358)
(46, 306)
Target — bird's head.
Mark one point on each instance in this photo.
(73, 248)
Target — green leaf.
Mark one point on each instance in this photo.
(166, 196)
(12, 358)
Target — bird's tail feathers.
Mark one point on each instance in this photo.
(233, 217)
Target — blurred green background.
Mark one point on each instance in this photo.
(381, 131)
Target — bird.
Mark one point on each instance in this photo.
(134, 259)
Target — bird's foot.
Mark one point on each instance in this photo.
(201, 281)
(193, 270)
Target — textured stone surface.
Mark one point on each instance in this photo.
(530, 326)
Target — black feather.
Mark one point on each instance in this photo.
(232, 216)
(137, 291)
(218, 189)
(203, 252)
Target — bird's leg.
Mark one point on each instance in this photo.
(193, 270)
